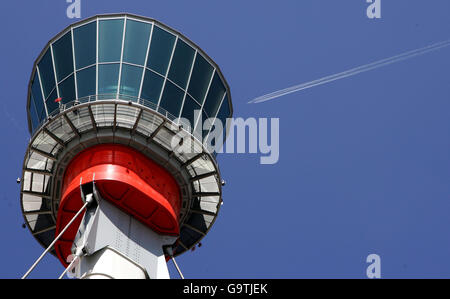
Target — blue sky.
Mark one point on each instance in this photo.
(364, 162)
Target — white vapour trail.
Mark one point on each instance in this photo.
(351, 72)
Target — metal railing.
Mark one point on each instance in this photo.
(124, 99)
(109, 97)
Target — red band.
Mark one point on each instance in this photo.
(126, 178)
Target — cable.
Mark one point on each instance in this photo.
(89, 199)
(178, 269)
(68, 267)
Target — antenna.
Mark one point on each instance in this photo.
(108, 99)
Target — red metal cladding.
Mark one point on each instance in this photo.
(126, 178)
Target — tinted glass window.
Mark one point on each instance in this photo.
(85, 44)
(51, 104)
(189, 109)
(62, 51)
(46, 72)
(201, 125)
(67, 90)
(43, 115)
(151, 88)
(37, 94)
(223, 114)
(172, 99)
(224, 111)
(201, 76)
(108, 77)
(215, 96)
(136, 42)
(130, 81)
(110, 40)
(160, 50)
(181, 64)
(86, 82)
(33, 114)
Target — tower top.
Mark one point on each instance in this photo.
(123, 79)
(106, 39)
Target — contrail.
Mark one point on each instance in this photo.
(352, 72)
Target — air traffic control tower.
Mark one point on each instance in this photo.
(103, 187)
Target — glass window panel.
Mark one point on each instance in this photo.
(131, 80)
(37, 94)
(33, 114)
(43, 115)
(67, 90)
(108, 77)
(201, 76)
(46, 72)
(160, 50)
(85, 44)
(181, 63)
(172, 99)
(223, 114)
(215, 96)
(62, 52)
(110, 40)
(136, 42)
(86, 82)
(51, 104)
(189, 110)
(224, 111)
(151, 88)
(202, 125)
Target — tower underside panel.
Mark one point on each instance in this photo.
(82, 125)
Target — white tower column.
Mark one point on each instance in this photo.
(112, 244)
